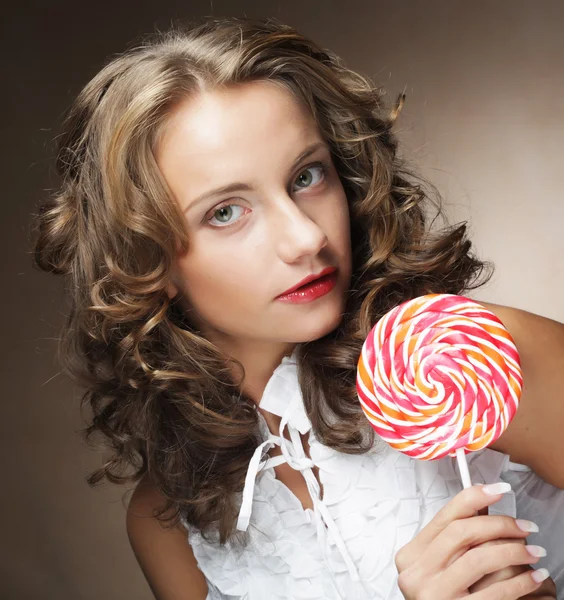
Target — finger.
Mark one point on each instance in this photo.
(511, 589)
(501, 574)
(547, 588)
(459, 536)
(464, 505)
(484, 560)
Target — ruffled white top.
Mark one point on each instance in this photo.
(372, 505)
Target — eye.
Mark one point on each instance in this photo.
(311, 176)
(226, 215)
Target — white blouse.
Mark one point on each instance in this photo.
(373, 504)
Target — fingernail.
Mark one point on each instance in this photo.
(537, 551)
(496, 488)
(540, 575)
(527, 526)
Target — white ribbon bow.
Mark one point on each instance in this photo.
(294, 417)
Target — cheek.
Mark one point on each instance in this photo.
(338, 222)
(213, 276)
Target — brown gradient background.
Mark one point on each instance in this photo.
(484, 120)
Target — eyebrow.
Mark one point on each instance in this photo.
(245, 187)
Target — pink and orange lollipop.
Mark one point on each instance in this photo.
(439, 376)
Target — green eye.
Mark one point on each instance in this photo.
(223, 214)
(226, 215)
(305, 179)
(310, 176)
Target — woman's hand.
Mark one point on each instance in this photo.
(546, 591)
(451, 554)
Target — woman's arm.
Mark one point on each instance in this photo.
(535, 437)
(164, 555)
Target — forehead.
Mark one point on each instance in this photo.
(232, 132)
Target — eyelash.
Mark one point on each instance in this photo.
(324, 167)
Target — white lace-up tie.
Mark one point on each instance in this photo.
(292, 416)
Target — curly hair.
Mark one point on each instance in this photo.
(161, 395)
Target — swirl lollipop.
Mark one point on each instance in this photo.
(439, 376)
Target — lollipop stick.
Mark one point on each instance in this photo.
(463, 466)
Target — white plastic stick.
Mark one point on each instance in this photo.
(463, 466)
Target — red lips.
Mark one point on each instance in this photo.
(311, 287)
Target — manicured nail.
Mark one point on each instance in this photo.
(537, 551)
(540, 575)
(495, 489)
(527, 526)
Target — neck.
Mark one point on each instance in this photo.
(259, 363)
(259, 360)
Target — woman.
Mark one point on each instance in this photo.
(234, 218)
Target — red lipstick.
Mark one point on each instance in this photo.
(311, 287)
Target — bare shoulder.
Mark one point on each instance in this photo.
(524, 320)
(164, 554)
(540, 342)
(534, 437)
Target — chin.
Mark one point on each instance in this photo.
(313, 331)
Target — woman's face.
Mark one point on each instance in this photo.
(264, 210)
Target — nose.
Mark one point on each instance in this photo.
(296, 234)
